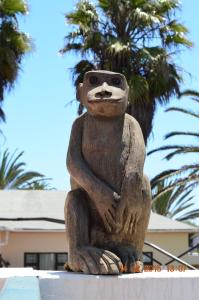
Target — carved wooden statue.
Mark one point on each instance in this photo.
(107, 210)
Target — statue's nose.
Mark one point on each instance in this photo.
(104, 91)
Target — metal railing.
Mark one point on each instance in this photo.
(184, 253)
(174, 258)
(3, 262)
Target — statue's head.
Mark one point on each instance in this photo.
(104, 93)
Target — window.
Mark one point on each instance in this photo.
(31, 260)
(61, 259)
(45, 261)
(148, 258)
(56, 261)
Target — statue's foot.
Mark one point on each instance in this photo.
(137, 267)
(67, 267)
(129, 258)
(97, 261)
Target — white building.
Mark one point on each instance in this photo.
(42, 243)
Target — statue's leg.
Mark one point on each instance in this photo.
(142, 224)
(76, 219)
(82, 256)
(130, 251)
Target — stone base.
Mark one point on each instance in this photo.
(148, 285)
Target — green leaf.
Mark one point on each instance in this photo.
(12, 7)
(139, 89)
(177, 27)
(13, 175)
(104, 4)
(177, 38)
(118, 47)
(85, 16)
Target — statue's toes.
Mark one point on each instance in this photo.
(128, 260)
(132, 265)
(113, 262)
(108, 263)
(99, 262)
(88, 264)
(136, 267)
(129, 256)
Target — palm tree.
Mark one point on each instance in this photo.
(13, 45)
(173, 202)
(13, 175)
(187, 174)
(179, 182)
(138, 38)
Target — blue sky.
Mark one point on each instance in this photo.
(38, 117)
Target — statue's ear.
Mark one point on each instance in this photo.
(127, 87)
(79, 91)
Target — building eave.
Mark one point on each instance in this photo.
(174, 230)
(23, 230)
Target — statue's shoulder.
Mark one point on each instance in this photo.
(133, 125)
(131, 120)
(79, 120)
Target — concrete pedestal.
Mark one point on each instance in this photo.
(148, 285)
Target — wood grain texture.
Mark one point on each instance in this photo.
(107, 211)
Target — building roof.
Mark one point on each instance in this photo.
(50, 205)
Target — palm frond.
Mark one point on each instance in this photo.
(189, 215)
(23, 178)
(180, 194)
(2, 114)
(181, 208)
(181, 150)
(80, 69)
(176, 185)
(182, 110)
(178, 150)
(171, 173)
(139, 91)
(172, 200)
(14, 44)
(184, 202)
(192, 93)
(13, 7)
(13, 174)
(85, 16)
(160, 203)
(186, 133)
(177, 38)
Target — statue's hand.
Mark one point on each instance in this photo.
(130, 208)
(107, 205)
(127, 216)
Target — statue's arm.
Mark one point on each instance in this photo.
(135, 163)
(79, 169)
(131, 191)
(104, 198)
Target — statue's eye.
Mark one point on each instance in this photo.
(93, 80)
(116, 81)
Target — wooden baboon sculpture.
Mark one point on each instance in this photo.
(107, 210)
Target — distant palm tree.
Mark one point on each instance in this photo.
(13, 44)
(41, 184)
(13, 175)
(173, 202)
(187, 176)
(138, 38)
(191, 171)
